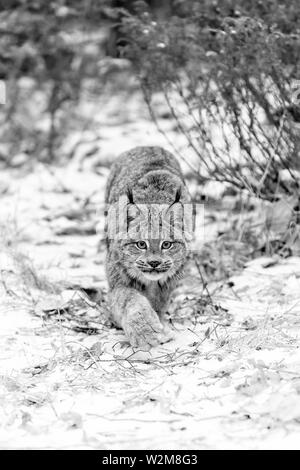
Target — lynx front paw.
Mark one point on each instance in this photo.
(143, 328)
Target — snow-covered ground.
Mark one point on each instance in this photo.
(229, 379)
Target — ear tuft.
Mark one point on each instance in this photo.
(177, 195)
(130, 196)
(177, 199)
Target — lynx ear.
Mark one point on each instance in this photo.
(177, 195)
(132, 207)
(177, 198)
(133, 211)
(129, 196)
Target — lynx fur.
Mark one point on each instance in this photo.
(146, 190)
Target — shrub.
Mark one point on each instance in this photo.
(229, 74)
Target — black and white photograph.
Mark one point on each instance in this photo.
(150, 227)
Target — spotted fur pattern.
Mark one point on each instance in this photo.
(143, 271)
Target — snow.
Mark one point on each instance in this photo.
(230, 379)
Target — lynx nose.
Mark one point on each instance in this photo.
(154, 264)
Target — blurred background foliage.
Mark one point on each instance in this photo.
(52, 56)
(48, 50)
(228, 71)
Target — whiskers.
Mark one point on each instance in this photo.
(166, 265)
(146, 268)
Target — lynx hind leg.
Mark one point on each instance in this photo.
(133, 312)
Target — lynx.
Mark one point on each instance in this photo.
(147, 250)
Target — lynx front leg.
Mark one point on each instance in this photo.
(133, 312)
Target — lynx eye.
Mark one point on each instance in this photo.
(141, 245)
(166, 245)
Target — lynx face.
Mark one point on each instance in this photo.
(152, 244)
(153, 260)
